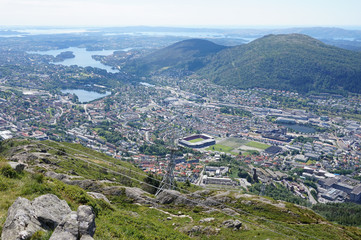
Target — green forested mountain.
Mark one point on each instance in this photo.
(288, 62)
(186, 54)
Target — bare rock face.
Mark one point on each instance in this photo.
(206, 220)
(21, 222)
(68, 229)
(50, 210)
(138, 195)
(235, 224)
(86, 219)
(17, 166)
(76, 225)
(175, 197)
(168, 196)
(230, 211)
(96, 195)
(86, 237)
(45, 213)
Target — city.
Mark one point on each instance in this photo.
(136, 122)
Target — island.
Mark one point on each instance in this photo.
(64, 55)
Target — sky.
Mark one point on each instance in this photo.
(182, 13)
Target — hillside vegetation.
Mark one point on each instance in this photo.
(287, 62)
(187, 54)
(59, 168)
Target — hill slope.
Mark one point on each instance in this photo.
(288, 62)
(188, 54)
(66, 169)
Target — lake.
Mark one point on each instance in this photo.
(83, 58)
(86, 96)
(300, 128)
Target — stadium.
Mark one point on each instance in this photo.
(197, 141)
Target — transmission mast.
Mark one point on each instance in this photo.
(168, 178)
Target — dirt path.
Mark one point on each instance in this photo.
(172, 215)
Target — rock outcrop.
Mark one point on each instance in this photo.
(76, 225)
(175, 197)
(230, 211)
(96, 195)
(50, 210)
(97, 189)
(45, 213)
(68, 229)
(206, 220)
(235, 224)
(21, 222)
(17, 166)
(86, 221)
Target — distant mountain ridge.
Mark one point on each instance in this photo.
(185, 54)
(289, 62)
(286, 61)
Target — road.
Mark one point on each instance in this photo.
(200, 180)
(86, 112)
(310, 197)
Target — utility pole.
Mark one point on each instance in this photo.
(168, 178)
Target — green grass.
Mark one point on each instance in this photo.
(220, 148)
(124, 220)
(257, 145)
(113, 221)
(196, 140)
(75, 157)
(233, 142)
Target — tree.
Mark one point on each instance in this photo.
(151, 184)
(188, 183)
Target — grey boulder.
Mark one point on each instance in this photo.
(86, 219)
(68, 229)
(45, 213)
(76, 225)
(235, 224)
(21, 222)
(50, 210)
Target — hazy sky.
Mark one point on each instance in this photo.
(181, 12)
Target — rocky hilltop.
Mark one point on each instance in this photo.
(65, 191)
(48, 213)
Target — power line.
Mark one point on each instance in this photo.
(168, 178)
(191, 200)
(222, 204)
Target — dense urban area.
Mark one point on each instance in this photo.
(302, 148)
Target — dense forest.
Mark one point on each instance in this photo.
(342, 213)
(187, 55)
(287, 62)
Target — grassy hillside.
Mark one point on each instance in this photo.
(287, 62)
(119, 220)
(262, 218)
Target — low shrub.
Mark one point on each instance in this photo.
(7, 171)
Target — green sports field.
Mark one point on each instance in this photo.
(257, 145)
(196, 140)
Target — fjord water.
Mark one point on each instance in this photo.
(85, 96)
(82, 57)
